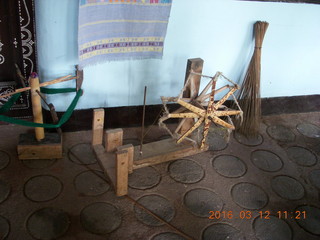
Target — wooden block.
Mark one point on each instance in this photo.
(97, 126)
(106, 162)
(192, 89)
(113, 139)
(163, 151)
(122, 172)
(130, 149)
(49, 148)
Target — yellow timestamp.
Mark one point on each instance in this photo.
(260, 214)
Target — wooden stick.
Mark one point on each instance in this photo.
(58, 80)
(36, 105)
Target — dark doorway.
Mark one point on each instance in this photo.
(17, 51)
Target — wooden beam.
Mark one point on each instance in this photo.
(163, 151)
(97, 126)
(192, 89)
(122, 173)
(130, 149)
(113, 139)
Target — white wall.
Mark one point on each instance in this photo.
(218, 31)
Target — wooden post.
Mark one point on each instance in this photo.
(122, 173)
(113, 139)
(97, 126)
(130, 149)
(36, 105)
(192, 89)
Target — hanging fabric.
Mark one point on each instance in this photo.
(112, 30)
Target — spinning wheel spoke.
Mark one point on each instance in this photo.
(225, 97)
(226, 113)
(222, 123)
(207, 124)
(183, 115)
(194, 127)
(192, 108)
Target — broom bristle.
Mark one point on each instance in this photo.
(249, 97)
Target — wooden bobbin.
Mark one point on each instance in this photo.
(36, 105)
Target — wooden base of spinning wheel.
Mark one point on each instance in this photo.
(118, 161)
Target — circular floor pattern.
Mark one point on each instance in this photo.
(301, 156)
(186, 171)
(217, 139)
(4, 190)
(4, 159)
(229, 166)
(144, 178)
(248, 141)
(168, 236)
(100, 218)
(249, 196)
(287, 187)
(309, 130)
(311, 221)
(266, 160)
(39, 163)
(272, 228)
(156, 204)
(201, 201)
(4, 227)
(91, 183)
(281, 133)
(48, 223)
(222, 231)
(314, 177)
(82, 154)
(42, 188)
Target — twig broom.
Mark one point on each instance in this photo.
(249, 96)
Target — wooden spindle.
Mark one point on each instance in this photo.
(36, 105)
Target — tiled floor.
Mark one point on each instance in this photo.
(264, 188)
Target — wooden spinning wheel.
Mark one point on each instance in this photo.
(202, 109)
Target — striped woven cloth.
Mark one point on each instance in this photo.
(111, 30)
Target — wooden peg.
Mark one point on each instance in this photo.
(97, 126)
(113, 139)
(130, 149)
(122, 172)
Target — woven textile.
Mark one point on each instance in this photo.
(112, 30)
